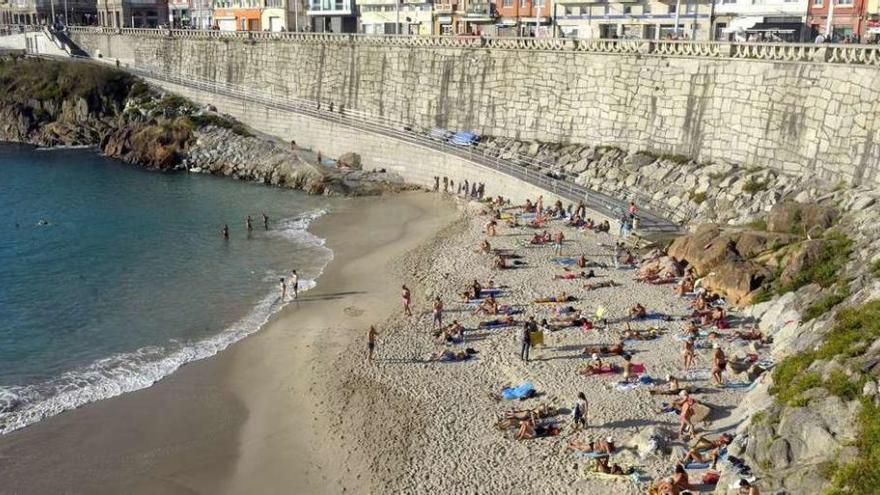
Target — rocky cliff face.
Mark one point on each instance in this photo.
(50, 103)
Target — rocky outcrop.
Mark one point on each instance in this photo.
(49, 103)
(800, 218)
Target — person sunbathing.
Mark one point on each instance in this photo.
(449, 355)
(581, 261)
(638, 312)
(600, 446)
(649, 334)
(504, 321)
(530, 429)
(612, 350)
(601, 285)
(576, 222)
(575, 320)
(672, 387)
(485, 247)
(714, 447)
(605, 226)
(489, 306)
(573, 275)
(680, 479)
(751, 334)
(560, 299)
(500, 263)
(537, 240)
(602, 466)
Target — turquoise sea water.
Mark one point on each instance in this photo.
(112, 277)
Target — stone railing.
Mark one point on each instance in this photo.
(774, 52)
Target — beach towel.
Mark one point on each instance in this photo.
(736, 385)
(638, 368)
(565, 261)
(697, 465)
(497, 324)
(528, 216)
(591, 455)
(606, 370)
(536, 338)
(626, 387)
(521, 391)
(698, 374)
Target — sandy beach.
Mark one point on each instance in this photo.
(251, 419)
(296, 408)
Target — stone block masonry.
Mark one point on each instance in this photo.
(417, 165)
(812, 119)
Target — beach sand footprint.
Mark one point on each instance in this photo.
(353, 311)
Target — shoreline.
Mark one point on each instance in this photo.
(241, 418)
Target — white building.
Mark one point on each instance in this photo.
(761, 20)
(332, 16)
(634, 19)
(393, 17)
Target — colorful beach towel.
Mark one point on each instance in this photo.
(626, 387)
(522, 391)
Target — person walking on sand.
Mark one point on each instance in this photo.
(579, 411)
(248, 223)
(294, 283)
(265, 221)
(283, 290)
(688, 354)
(371, 341)
(407, 300)
(526, 338)
(225, 231)
(438, 312)
(719, 362)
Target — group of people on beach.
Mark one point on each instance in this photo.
(707, 312)
(248, 225)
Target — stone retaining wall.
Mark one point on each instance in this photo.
(814, 119)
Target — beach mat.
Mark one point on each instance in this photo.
(591, 455)
(522, 391)
(626, 387)
(697, 465)
(564, 261)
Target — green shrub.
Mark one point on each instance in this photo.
(760, 224)
(222, 122)
(753, 186)
(861, 476)
(825, 270)
(698, 198)
(875, 269)
(675, 158)
(825, 303)
(853, 329)
(840, 385)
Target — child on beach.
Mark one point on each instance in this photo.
(371, 341)
(407, 300)
(437, 310)
(579, 411)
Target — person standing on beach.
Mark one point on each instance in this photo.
(557, 246)
(225, 231)
(719, 362)
(407, 300)
(248, 223)
(579, 411)
(294, 283)
(688, 354)
(438, 312)
(283, 290)
(371, 341)
(526, 338)
(265, 221)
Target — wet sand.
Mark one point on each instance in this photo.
(268, 415)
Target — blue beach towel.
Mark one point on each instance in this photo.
(697, 465)
(737, 385)
(565, 261)
(591, 455)
(521, 391)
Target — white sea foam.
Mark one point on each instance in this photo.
(108, 377)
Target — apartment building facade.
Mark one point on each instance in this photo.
(332, 16)
(413, 17)
(637, 19)
(837, 20)
(524, 18)
(465, 17)
(74, 12)
(761, 20)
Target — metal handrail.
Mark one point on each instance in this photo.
(386, 127)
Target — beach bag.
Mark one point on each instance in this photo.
(711, 477)
(536, 338)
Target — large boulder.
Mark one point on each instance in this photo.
(802, 256)
(349, 160)
(800, 218)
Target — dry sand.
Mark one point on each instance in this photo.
(297, 409)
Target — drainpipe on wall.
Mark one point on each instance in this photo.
(677, 10)
(829, 34)
(712, 21)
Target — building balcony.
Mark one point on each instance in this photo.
(480, 10)
(444, 8)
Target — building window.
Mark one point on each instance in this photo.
(627, 9)
(508, 3)
(672, 8)
(646, 9)
(817, 3)
(540, 3)
(523, 3)
(845, 2)
(690, 8)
